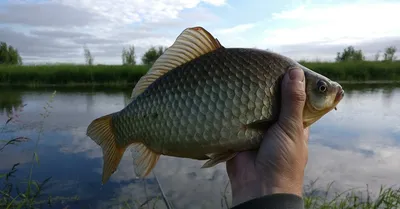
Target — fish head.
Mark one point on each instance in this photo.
(323, 95)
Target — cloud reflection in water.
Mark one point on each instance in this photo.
(354, 146)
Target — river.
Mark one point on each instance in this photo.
(354, 146)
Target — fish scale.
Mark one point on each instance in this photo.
(209, 107)
(221, 112)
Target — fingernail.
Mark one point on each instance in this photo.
(296, 74)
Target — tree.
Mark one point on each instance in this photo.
(152, 55)
(128, 56)
(377, 56)
(389, 53)
(9, 55)
(88, 56)
(350, 54)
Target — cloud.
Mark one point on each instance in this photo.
(125, 12)
(319, 27)
(47, 14)
(236, 29)
(37, 46)
(327, 52)
(59, 33)
(57, 30)
(216, 2)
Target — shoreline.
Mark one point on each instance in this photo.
(132, 84)
(121, 76)
(28, 85)
(369, 82)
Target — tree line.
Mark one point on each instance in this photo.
(129, 57)
(351, 54)
(10, 55)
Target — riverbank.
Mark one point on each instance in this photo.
(358, 72)
(71, 75)
(124, 75)
(370, 82)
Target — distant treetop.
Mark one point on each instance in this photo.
(9, 55)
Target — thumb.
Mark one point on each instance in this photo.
(293, 99)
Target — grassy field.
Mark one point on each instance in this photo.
(120, 75)
(74, 75)
(357, 71)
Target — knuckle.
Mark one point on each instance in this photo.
(298, 95)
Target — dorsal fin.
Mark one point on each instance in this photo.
(190, 44)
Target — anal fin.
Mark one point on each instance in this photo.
(218, 158)
(144, 159)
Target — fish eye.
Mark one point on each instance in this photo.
(322, 86)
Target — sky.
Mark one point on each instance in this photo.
(53, 31)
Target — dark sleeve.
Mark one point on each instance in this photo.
(274, 201)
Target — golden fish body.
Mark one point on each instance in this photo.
(203, 101)
(201, 107)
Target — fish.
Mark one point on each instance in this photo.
(203, 101)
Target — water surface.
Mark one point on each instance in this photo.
(356, 145)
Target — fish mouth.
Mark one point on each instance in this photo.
(339, 96)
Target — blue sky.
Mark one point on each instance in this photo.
(57, 30)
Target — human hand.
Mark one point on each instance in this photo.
(278, 166)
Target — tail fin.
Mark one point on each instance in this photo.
(101, 132)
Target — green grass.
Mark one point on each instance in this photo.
(388, 198)
(124, 75)
(74, 75)
(357, 71)
(355, 198)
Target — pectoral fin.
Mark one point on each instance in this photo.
(216, 158)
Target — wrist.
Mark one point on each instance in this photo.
(249, 190)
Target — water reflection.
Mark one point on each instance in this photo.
(10, 101)
(354, 146)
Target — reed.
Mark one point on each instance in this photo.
(127, 75)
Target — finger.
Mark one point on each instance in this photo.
(293, 98)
